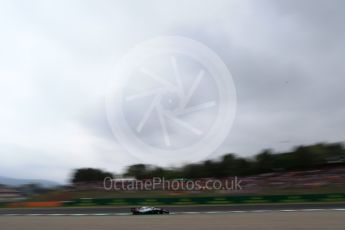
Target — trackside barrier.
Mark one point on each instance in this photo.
(335, 197)
(339, 197)
(42, 204)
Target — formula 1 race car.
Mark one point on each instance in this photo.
(148, 211)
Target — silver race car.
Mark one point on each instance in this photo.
(148, 210)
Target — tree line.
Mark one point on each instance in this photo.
(300, 158)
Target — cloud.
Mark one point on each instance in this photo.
(56, 59)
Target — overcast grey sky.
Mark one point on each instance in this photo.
(286, 57)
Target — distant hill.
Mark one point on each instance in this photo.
(17, 182)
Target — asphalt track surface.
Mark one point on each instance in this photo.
(119, 211)
(297, 220)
